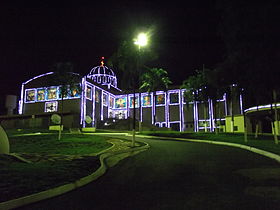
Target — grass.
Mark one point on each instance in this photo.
(20, 179)
(55, 163)
(264, 142)
(70, 144)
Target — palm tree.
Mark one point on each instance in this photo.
(68, 82)
(127, 60)
(197, 89)
(152, 80)
(214, 91)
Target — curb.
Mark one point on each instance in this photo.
(18, 202)
(241, 146)
(19, 158)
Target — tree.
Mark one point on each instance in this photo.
(250, 35)
(215, 91)
(198, 89)
(68, 83)
(126, 59)
(206, 87)
(152, 80)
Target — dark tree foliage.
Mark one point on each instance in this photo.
(67, 81)
(251, 36)
(131, 62)
(155, 79)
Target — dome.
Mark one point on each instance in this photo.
(103, 75)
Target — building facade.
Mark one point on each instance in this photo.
(99, 99)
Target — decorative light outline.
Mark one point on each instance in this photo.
(83, 103)
(101, 115)
(261, 107)
(36, 77)
(174, 122)
(96, 75)
(182, 110)
(225, 99)
(22, 97)
(161, 125)
(212, 115)
(169, 92)
(20, 104)
(241, 104)
(166, 110)
(125, 110)
(153, 107)
(93, 105)
(196, 129)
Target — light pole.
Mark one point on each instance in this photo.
(140, 41)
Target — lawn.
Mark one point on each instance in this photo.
(264, 142)
(53, 162)
(70, 144)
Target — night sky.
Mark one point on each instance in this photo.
(33, 37)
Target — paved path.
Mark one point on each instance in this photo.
(177, 175)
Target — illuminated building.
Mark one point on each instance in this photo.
(100, 99)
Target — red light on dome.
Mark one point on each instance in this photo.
(102, 61)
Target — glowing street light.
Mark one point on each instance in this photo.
(140, 41)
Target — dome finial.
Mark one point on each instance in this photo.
(102, 61)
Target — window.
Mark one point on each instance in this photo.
(131, 99)
(146, 101)
(30, 95)
(160, 99)
(74, 92)
(51, 106)
(88, 92)
(51, 93)
(174, 98)
(40, 94)
(120, 102)
(184, 95)
(97, 95)
(111, 103)
(121, 114)
(65, 94)
(105, 99)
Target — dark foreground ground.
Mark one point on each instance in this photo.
(180, 175)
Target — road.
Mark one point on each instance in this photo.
(174, 175)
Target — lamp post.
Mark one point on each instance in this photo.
(140, 41)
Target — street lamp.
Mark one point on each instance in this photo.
(140, 41)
